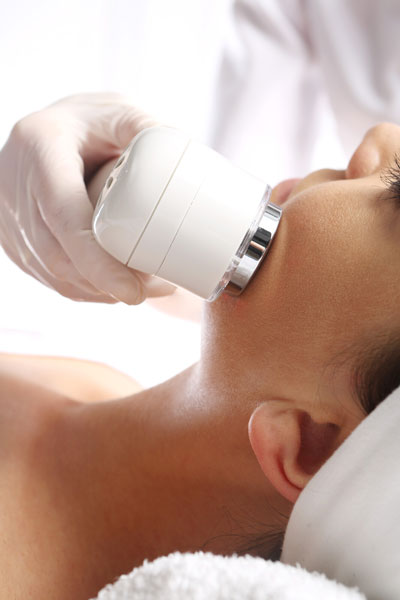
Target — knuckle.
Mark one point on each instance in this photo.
(27, 127)
(37, 127)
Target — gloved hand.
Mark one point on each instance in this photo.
(45, 211)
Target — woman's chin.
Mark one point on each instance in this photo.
(282, 191)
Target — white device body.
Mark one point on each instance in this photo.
(174, 208)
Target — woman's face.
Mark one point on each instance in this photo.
(330, 282)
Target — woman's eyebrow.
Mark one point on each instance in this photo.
(391, 179)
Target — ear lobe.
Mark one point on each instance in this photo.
(290, 447)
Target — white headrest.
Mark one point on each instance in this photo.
(346, 522)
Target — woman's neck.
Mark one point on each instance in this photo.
(167, 469)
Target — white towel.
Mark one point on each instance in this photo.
(205, 576)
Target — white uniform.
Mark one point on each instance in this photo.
(299, 75)
(273, 84)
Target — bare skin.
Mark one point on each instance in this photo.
(88, 490)
(82, 380)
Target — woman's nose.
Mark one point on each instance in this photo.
(375, 152)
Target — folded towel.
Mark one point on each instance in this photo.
(205, 576)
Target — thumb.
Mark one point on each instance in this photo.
(114, 120)
(110, 128)
(126, 122)
(108, 115)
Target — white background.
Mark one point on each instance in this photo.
(166, 56)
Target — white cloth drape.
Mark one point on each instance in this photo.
(346, 521)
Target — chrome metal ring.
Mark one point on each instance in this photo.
(255, 251)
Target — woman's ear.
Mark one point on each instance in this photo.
(289, 445)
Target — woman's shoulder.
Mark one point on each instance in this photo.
(44, 468)
(36, 390)
(81, 380)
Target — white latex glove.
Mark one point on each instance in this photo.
(45, 211)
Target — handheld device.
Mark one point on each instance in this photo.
(175, 208)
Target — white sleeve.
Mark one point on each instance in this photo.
(358, 49)
(267, 106)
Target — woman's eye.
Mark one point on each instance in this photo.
(391, 178)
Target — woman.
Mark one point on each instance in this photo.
(90, 489)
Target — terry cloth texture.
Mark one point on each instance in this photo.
(205, 576)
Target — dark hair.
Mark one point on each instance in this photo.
(266, 545)
(261, 539)
(249, 536)
(376, 374)
(377, 371)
